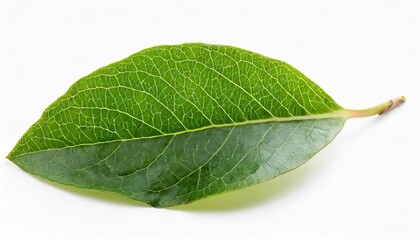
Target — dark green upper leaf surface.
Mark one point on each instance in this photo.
(182, 168)
(172, 124)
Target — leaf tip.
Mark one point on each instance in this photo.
(11, 156)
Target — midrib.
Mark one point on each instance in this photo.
(336, 114)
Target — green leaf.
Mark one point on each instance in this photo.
(173, 124)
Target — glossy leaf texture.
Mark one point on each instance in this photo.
(173, 124)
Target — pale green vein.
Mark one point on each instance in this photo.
(199, 168)
(342, 114)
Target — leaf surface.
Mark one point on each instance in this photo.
(173, 124)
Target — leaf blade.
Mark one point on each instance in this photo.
(187, 171)
(168, 92)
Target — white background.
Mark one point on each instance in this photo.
(365, 185)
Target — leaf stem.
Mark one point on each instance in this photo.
(378, 109)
